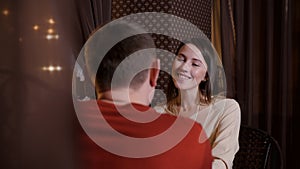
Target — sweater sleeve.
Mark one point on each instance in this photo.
(225, 144)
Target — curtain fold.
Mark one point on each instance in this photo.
(216, 27)
(228, 45)
(91, 14)
(80, 20)
(261, 65)
(10, 77)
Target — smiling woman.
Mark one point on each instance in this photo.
(193, 93)
(190, 59)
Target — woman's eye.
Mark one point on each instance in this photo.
(195, 64)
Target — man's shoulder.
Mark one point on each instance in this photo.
(182, 121)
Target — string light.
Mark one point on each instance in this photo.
(51, 21)
(50, 31)
(50, 37)
(52, 68)
(5, 12)
(36, 27)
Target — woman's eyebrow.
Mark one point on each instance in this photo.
(197, 59)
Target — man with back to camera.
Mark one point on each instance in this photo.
(123, 131)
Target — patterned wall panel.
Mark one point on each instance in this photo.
(198, 12)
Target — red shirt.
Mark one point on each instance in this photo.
(135, 136)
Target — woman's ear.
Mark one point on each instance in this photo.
(154, 72)
(206, 77)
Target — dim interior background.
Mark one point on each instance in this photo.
(258, 42)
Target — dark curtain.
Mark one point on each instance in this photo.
(80, 18)
(260, 41)
(36, 110)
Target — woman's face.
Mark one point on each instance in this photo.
(189, 67)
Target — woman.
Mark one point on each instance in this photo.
(195, 92)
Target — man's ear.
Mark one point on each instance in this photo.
(154, 72)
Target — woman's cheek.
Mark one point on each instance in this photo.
(199, 75)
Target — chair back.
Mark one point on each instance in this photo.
(258, 150)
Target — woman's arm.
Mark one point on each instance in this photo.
(225, 144)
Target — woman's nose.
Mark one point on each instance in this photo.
(184, 66)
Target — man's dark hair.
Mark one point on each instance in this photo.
(133, 69)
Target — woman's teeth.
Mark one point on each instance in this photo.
(183, 76)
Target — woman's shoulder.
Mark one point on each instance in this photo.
(228, 105)
(228, 111)
(226, 101)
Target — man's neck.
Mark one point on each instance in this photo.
(122, 97)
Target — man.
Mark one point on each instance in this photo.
(122, 131)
